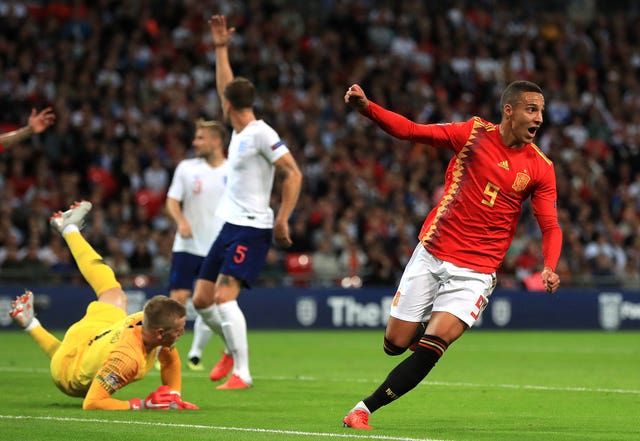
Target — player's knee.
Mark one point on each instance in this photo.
(391, 349)
(200, 302)
(114, 296)
(203, 294)
(180, 295)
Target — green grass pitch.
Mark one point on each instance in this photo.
(493, 386)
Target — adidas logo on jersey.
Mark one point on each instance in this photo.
(504, 164)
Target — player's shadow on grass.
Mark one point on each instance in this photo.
(77, 406)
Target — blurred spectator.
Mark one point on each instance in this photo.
(326, 267)
(379, 267)
(64, 269)
(161, 263)
(352, 260)
(141, 260)
(630, 275)
(116, 259)
(273, 273)
(602, 271)
(155, 176)
(302, 240)
(10, 265)
(32, 266)
(124, 102)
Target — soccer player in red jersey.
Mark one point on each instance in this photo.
(452, 273)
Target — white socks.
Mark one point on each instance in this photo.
(71, 228)
(211, 318)
(234, 328)
(201, 335)
(361, 406)
(34, 322)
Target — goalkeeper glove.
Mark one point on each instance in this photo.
(181, 405)
(161, 399)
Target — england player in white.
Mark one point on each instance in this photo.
(193, 197)
(256, 154)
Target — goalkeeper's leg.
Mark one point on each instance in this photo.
(47, 341)
(23, 315)
(98, 274)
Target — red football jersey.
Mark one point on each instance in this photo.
(486, 184)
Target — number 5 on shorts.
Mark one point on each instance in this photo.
(240, 254)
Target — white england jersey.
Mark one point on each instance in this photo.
(199, 187)
(252, 153)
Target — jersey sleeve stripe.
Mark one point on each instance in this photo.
(537, 149)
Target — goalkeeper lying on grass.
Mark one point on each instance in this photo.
(107, 349)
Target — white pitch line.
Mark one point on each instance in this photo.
(218, 428)
(310, 378)
(449, 384)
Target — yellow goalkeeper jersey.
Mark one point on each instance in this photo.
(95, 364)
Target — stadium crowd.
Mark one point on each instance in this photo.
(128, 80)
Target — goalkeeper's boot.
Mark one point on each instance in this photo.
(357, 419)
(234, 382)
(22, 309)
(73, 216)
(222, 368)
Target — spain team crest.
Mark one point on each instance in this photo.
(522, 179)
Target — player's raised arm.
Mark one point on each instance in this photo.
(41, 121)
(221, 38)
(38, 122)
(356, 98)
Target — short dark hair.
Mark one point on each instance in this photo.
(513, 91)
(162, 312)
(240, 92)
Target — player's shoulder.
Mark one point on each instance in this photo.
(191, 162)
(479, 122)
(134, 318)
(127, 334)
(186, 164)
(223, 167)
(261, 126)
(266, 136)
(539, 154)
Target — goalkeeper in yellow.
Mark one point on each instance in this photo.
(106, 349)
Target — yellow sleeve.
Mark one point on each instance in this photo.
(119, 370)
(170, 368)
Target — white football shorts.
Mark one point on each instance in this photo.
(429, 284)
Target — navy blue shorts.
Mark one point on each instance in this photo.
(184, 269)
(239, 252)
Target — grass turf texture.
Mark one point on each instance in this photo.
(489, 386)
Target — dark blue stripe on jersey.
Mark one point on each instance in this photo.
(276, 145)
